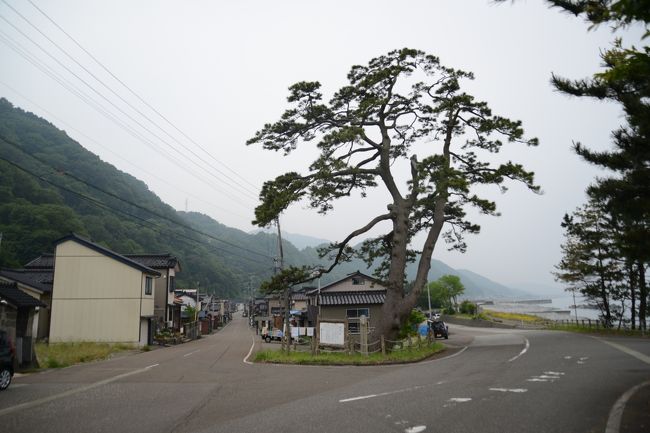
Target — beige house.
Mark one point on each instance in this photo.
(99, 295)
(350, 298)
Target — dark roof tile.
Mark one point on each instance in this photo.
(154, 261)
(353, 298)
(13, 295)
(39, 279)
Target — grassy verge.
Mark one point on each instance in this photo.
(598, 331)
(59, 355)
(325, 358)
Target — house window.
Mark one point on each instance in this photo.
(172, 284)
(148, 285)
(355, 313)
(358, 281)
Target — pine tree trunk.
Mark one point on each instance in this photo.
(643, 296)
(632, 282)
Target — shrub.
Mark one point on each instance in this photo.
(467, 307)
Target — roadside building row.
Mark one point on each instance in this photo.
(87, 292)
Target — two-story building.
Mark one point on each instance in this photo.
(100, 295)
(349, 298)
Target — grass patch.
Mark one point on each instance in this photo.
(598, 331)
(528, 318)
(59, 355)
(326, 358)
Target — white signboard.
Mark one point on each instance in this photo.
(332, 333)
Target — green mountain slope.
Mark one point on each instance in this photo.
(50, 186)
(47, 190)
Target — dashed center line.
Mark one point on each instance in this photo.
(188, 354)
(516, 390)
(382, 394)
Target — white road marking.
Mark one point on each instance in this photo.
(554, 373)
(70, 392)
(434, 360)
(634, 353)
(246, 361)
(517, 390)
(381, 394)
(188, 354)
(616, 414)
(535, 379)
(416, 429)
(363, 397)
(522, 352)
(567, 357)
(459, 399)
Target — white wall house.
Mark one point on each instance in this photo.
(99, 295)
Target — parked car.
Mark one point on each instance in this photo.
(440, 329)
(7, 355)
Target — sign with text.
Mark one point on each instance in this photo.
(332, 333)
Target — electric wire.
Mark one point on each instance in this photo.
(138, 96)
(108, 193)
(92, 88)
(234, 183)
(115, 154)
(143, 222)
(89, 100)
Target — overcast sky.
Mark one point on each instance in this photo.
(218, 70)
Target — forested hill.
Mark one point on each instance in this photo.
(50, 186)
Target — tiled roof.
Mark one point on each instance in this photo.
(12, 294)
(44, 261)
(39, 279)
(154, 261)
(353, 298)
(373, 281)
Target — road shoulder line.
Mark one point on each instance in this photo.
(638, 355)
(44, 400)
(616, 414)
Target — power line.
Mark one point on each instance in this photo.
(92, 88)
(107, 149)
(136, 95)
(89, 100)
(234, 183)
(143, 222)
(110, 194)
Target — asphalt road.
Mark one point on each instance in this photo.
(492, 381)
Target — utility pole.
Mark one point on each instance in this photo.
(287, 290)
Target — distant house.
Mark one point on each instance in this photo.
(166, 311)
(100, 295)
(37, 283)
(348, 299)
(17, 316)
